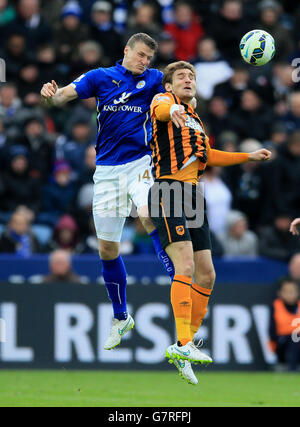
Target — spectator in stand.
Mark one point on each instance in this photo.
(83, 208)
(186, 31)
(291, 119)
(143, 21)
(278, 136)
(254, 118)
(7, 13)
(88, 169)
(85, 110)
(60, 266)
(269, 21)
(15, 54)
(66, 236)
(74, 149)
(48, 67)
(69, 33)
(58, 194)
(231, 91)
(51, 11)
(90, 56)
(166, 51)
(284, 317)
(294, 267)
(282, 82)
(17, 237)
(247, 184)
(276, 242)
(227, 141)
(30, 23)
(211, 68)
(40, 147)
(103, 32)
(286, 177)
(218, 116)
(10, 103)
(29, 79)
(238, 241)
(218, 200)
(227, 27)
(17, 187)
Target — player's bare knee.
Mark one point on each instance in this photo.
(205, 279)
(108, 250)
(185, 268)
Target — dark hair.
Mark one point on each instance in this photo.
(283, 280)
(144, 38)
(174, 66)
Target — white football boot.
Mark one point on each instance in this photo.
(184, 368)
(118, 329)
(189, 352)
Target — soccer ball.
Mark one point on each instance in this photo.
(257, 47)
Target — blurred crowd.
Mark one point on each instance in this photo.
(47, 158)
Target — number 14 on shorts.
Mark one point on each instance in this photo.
(146, 176)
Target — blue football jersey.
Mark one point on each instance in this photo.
(123, 111)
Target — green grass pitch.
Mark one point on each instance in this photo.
(157, 389)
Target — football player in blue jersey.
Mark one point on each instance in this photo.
(123, 159)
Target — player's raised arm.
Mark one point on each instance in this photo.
(223, 158)
(58, 97)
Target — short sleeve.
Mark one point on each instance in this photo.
(86, 85)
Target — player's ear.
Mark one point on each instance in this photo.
(168, 87)
(126, 49)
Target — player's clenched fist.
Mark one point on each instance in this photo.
(260, 155)
(49, 90)
(293, 228)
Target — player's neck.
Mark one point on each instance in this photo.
(127, 67)
(185, 100)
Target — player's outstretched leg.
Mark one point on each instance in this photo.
(184, 367)
(114, 275)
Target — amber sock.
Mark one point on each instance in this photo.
(200, 297)
(182, 307)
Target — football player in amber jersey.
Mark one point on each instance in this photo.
(181, 152)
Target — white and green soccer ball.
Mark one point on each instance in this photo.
(257, 47)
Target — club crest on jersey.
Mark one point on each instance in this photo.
(141, 84)
(123, 98)
(180, 230)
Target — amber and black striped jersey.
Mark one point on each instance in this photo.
(173, 147)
